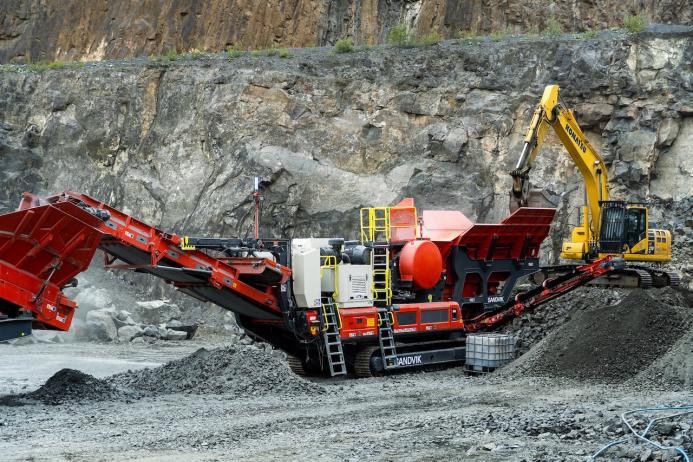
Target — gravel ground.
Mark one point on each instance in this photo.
(419, 416)
(239, 370)
(177, 401)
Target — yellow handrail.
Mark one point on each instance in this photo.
(375, 224)
(330, 262)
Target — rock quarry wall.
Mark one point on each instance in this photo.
(97, 29)
(177, 144)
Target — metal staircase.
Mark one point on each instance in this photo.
(375, 230)
(331, 337)
(382, 286)
(386, 339)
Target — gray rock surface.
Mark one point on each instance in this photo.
(100, 326)
(177, 145)
(127, 333)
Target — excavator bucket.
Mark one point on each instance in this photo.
(535, 198)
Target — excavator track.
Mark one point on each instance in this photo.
(296, 366)
(659, 277)
(644, 277)
(362, 362)
(674, 279)
(631, 276)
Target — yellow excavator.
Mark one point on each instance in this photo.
(609, 227)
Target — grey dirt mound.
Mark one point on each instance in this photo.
(239, 370)
(68, 386)
(612, 343)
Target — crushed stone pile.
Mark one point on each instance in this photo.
(530, 328)
(614, 343)
(68, 386)
(241, 370)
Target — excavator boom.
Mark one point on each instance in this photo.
(550, 113)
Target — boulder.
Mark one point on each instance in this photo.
(667, 132)
(122, 318)
(175, 335)
(156, 311)
(100, 326)
(93, 298)
(127, 333)
(151, 331)
(189, 329)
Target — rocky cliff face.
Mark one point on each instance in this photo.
(177, 145)
(97, 29)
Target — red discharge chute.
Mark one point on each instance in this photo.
(41, 250)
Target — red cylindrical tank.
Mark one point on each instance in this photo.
(420, 262)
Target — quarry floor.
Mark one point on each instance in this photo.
(443, 415)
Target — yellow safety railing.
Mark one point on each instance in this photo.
(375, 224)
(338, 316)
(381, 319)
(378, 224)
(382, 289)
(330, 262)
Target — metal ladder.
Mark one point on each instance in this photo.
(331, 337)
(380, 263)
(375, 231)
(386, 338)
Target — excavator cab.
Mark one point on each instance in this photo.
(623, 227)
(625, 230)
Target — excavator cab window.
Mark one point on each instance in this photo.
(636, 226)
(613, 231)
(621, 226)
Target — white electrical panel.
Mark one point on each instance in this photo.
(354, 286)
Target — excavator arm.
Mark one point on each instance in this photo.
(551, 113)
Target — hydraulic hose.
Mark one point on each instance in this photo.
(643, 436)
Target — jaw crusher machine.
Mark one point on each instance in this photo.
(404, 295)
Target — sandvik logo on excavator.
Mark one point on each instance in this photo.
(575, 138)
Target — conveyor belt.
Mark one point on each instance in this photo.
(49, 241)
